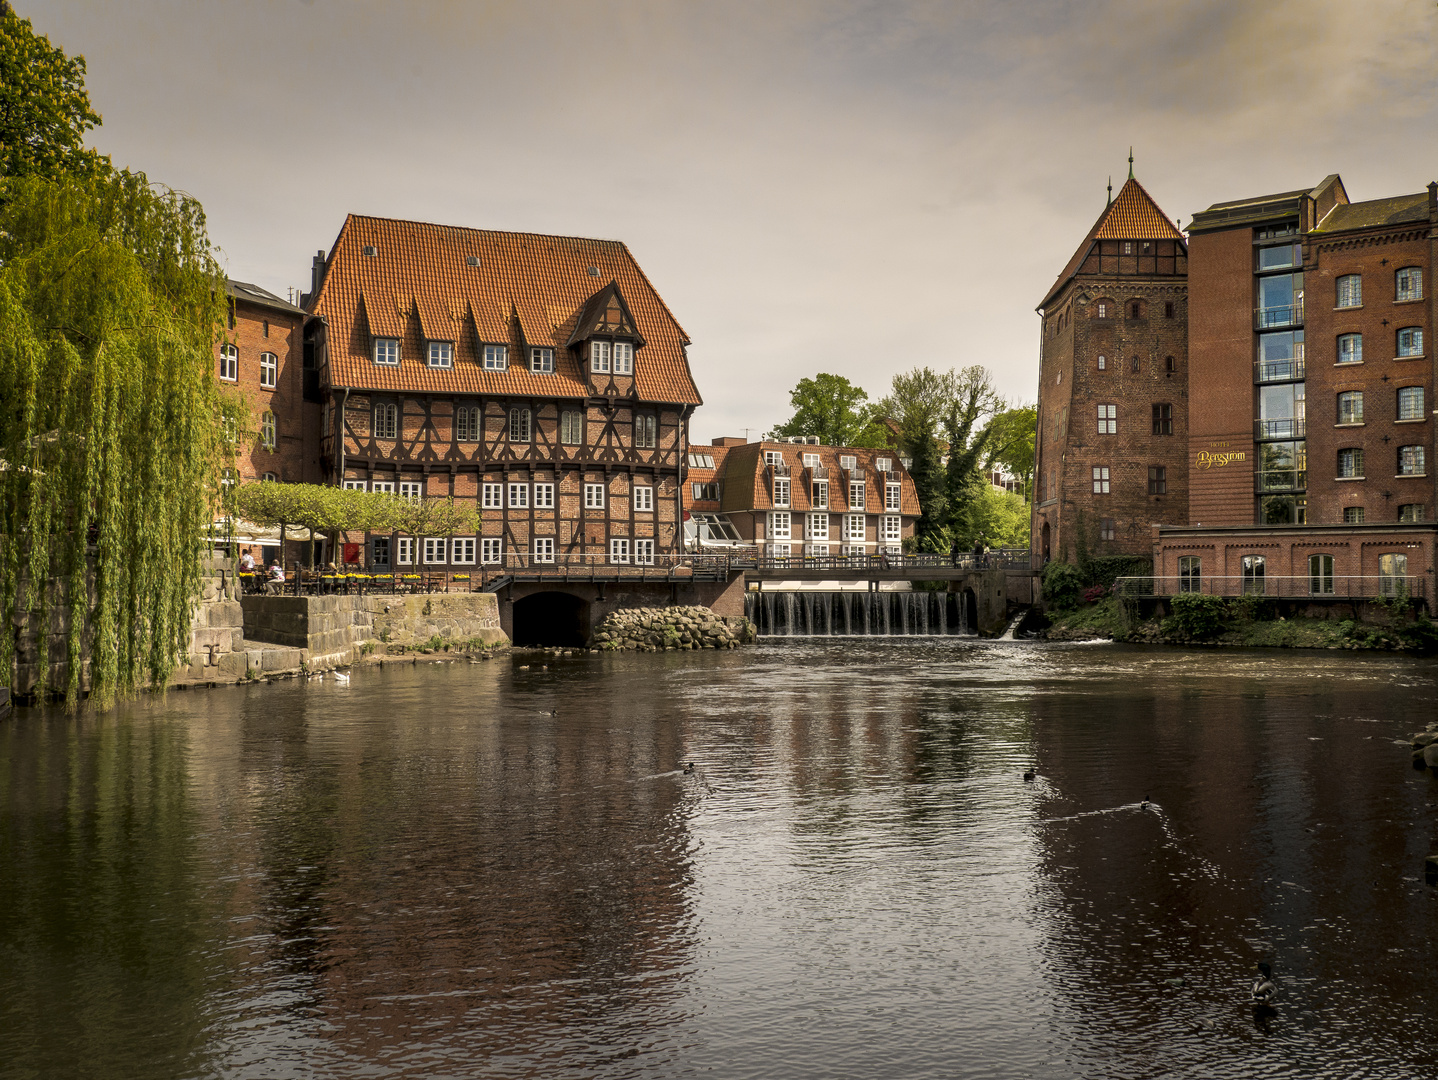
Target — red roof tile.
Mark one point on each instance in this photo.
(523, 289)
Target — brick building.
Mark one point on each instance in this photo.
(800, 498)
(541, 378)
(261, 357)
(1113, 386)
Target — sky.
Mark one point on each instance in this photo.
(852, 187)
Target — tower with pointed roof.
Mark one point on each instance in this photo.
(1113, 386)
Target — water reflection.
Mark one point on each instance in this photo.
(476, 870)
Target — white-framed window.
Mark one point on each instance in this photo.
(1410, 341)
(701, 461)
(892, 493)
(856, 494)
(883, 464)
(461, 550)
(544, 549)
(404, 551)
(644, 552)
(541, 360)
(644, 499)
(1102, 362)
(466, 423)
(599, 353)
(384, 487)
(854, 527)
(623, 358)
(519, 425)
(267, 430)
(1108, 419)
(496, 358)
(386, 351)
(269, 476)
(619, 550)
(1350, 463)
(269, 371)
(413, 490)
(816, 526)
(594, 496)
(816, 551)
(1350, 407)
(779, 551)
(571, 427)
(356, 485)
(1408, 284)
(491, 549)
(846, 550)
(229, 363)
(1411, 461)
(646, 430)
(893, 528)
(779, 525)
(773, 457)
(820, 494)
(1100, 479)
(519, 496)
(781, 491)
(1350, 291)
(491, 496)
(434, 549)
(386, 420)
(1350, 348)
(811, 461)
(1410, 403)
(441, 354)
(544, 496)
(847, 462)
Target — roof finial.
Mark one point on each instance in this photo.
(1130, 162)
(1109, 200)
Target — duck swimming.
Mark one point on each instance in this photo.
(1031, 774)
(689, 767)
(1264, 988)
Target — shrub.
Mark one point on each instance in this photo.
(1094, 593)
(1063, 585)
(1195, 615)
(1105, 570)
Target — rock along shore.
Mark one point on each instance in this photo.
(658, 629)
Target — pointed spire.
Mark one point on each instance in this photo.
(1130, 162)
(1109, 200)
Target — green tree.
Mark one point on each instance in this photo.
(916, 403)
(110, 306)
(835, 410)
(1011, 443)
(44, 109)
(994, 517)
(974, 400)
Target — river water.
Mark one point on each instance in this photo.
(476, 870)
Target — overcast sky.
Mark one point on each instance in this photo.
(859, 188)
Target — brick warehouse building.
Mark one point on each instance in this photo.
(1113, 386)
(541, 377)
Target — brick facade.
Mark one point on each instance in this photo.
(1113, 387)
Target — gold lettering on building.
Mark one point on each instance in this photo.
(1207, 460)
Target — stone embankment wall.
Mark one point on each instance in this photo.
(656, 629)
(329, 626)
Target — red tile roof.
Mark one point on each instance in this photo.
(1132, 216)
(524, 289)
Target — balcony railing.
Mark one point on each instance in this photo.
(1288, 427)
(818, 472)
(1296, 586)
(1270, 318)
(1269, 371)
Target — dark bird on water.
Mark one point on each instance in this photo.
(1264, 988)
(1031, 774)
(1145, 804)
(689, 768)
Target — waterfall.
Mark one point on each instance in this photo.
(866, 614)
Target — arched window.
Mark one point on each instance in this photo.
(1103, 309)
(1253, 575)
(1135, 309)
(1410, 341)
(1190, 569)
(1320, 575)
(1102, 363)
(1133, 365)
(229, 363)
(519, 425)
(1169, 365)
(386, 420)
(267, 430)
(1408, 284)
(269, 371)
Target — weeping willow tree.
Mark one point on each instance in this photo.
(113, 430)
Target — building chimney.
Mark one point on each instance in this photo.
(317, 272)
(1433, 200)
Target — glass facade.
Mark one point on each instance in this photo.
(1279, 398)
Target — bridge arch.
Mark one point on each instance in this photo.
(558, 619)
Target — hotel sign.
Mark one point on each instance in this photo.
(1208, 459)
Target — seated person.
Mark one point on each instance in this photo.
(247, 563)
(276, 580)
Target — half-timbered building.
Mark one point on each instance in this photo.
(541, 377)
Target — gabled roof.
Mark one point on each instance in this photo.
(1398, 210)
(605, 313)
(478, 286)
(1132, 216)
(243, 290)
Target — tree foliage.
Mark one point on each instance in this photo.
(1011, 435)
(110, 305)
(44, 109)
(835, 410)
(341, 510)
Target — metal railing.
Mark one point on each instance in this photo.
(1291, 370)
(1285, 427)
(1295, 586)
(1269, 318)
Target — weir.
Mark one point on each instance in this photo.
(866, 614)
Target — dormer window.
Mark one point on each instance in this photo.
(496, 358)
(599, 352)
(883, 464)
(386, 351)
(541, 360)
(847, 462)
(441, 354)
(623, 358)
